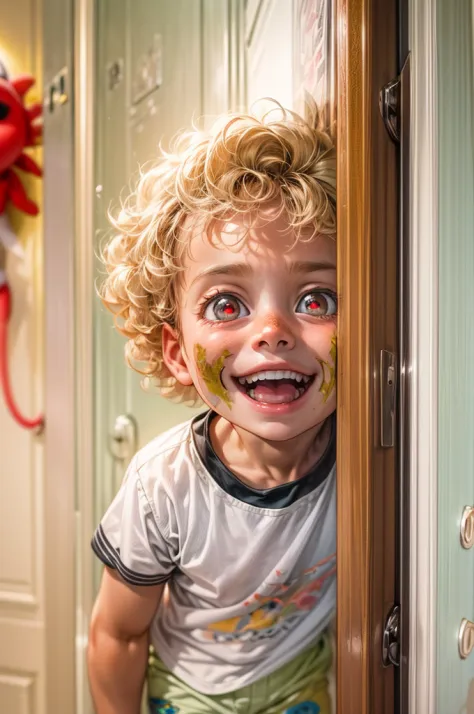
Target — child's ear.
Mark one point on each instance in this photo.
(173, 356)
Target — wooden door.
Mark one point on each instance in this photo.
(366, 60)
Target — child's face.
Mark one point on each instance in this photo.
(258, 326)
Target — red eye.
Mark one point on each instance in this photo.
(318, 303)
(225, 308)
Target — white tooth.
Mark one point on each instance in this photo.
(271, 374)
(242, 380)
(252, 393)
(299, 377)
(287, 374)
(279, 374)
(262, 375)
(293, 375)
(251, 378)
(305, 379)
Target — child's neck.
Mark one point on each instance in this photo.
(265, 464)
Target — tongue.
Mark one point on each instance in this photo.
(277, 394)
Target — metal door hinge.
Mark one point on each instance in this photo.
(391, 638)
(389, 103)
(115, 74)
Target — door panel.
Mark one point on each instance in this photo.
(455, 680)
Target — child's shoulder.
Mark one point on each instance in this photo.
(162, 459)
(170, 440)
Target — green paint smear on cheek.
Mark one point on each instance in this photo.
(211, 373)
(329, 372)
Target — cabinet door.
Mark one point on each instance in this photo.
(455, 676)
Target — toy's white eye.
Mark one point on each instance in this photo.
(318, 304)
(225, 308)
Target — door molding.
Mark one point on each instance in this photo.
(84, 107)
(424, 358)
(366, 60)
(60, 392)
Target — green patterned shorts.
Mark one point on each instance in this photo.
(299, 687)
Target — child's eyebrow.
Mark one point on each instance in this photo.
(237, 269)
(309, 266)
(244, 270)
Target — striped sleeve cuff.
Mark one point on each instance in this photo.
(110, 557)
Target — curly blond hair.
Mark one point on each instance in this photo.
(241, 165)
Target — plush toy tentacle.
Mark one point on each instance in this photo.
(22, 84)
(3, 192)
(26, 163)
(34, 111)
(35, 133)
(18, 197)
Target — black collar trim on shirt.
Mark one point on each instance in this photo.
(277, 497)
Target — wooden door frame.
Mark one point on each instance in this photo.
(84, 158)
(366, 59)
(69, 381)
(423, 327)
(59, 354)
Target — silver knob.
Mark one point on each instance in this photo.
(123, 438)
(466, 638)
(467, 527)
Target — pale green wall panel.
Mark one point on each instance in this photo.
(456, 345)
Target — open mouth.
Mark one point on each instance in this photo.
(274, 386)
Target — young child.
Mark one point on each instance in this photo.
(220, 545)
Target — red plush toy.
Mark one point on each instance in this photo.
(17, 131)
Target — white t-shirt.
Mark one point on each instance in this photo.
(251, 575)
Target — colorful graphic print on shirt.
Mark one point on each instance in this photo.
(267, 616)
(304, 708)
(161, 706)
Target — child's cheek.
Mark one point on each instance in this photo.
(328, 368)
(209, 371)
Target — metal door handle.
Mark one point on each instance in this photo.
(123, 437)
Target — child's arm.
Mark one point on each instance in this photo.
(118, 643)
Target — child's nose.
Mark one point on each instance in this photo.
(273, 335)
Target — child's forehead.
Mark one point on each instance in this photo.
(268, 232)
(265, 247)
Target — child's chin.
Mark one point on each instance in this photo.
(277, 429)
